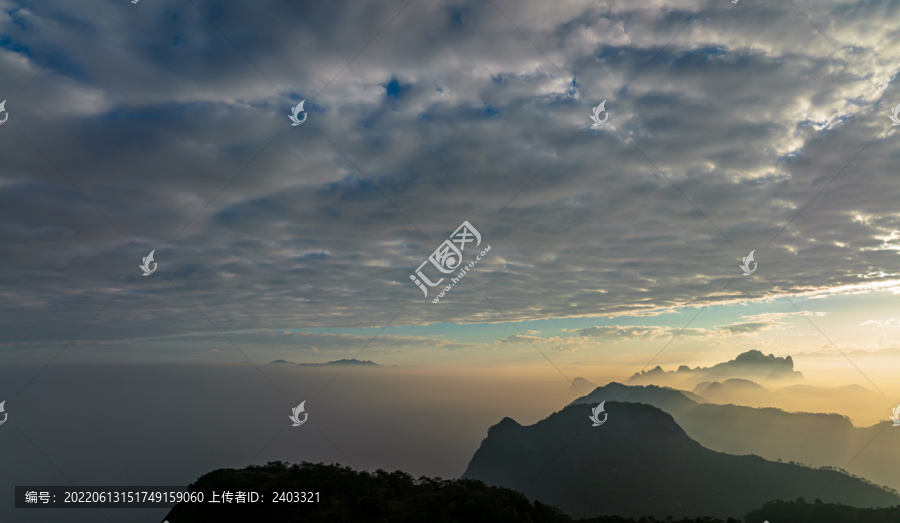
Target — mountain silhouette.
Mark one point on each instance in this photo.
(800, 511)
(345, 495)
(715, 390)
(349, 496)
(328, 363)
(800, 397)
(753, 365)
(640, 462)
(581, 386)
(341, 363)
(820, 440)
(666, 398)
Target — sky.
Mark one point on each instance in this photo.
(163, 125)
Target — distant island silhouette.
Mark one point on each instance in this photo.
(335, 362)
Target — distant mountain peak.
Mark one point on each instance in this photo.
(668, 399)
(351, 361)
(581, 386)
(749, 365)
(755, 356)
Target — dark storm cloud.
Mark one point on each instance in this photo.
(450, 112)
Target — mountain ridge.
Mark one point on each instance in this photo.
(563, 461)
(752, 364)
(351, 361)
(348, 495)
(818, 439)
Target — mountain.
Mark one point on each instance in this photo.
(666, 398)
(847, 398)
(815, 439)
(640, 462)
(715, 390)
(843, 399)
(801, 512)
(341, 363)
(347, 495)
(581, 386)
(395, 497)
(751, 365)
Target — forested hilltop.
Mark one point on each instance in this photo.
(346, 495)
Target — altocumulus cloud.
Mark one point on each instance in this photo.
(173, 140)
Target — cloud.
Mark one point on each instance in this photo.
(616, 333)
(727, 133)
(889, 322)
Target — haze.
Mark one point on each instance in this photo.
(162, 126)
